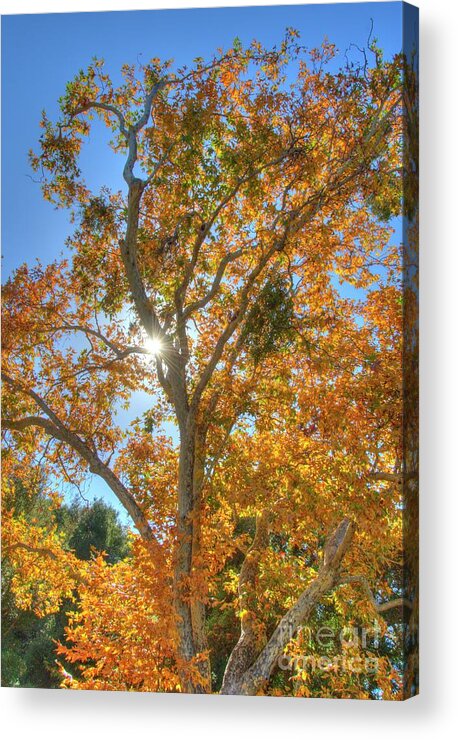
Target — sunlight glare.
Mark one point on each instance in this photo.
(153, 345)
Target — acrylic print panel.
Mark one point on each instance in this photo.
(210, 374)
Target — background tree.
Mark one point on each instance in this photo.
(213, 282)
(29, 638)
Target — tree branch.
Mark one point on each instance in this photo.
(202, 302)
(30, 548)
(230, 328)
(327, 578)
(106, 107)
(120, 353)
(380, 608)
(388, 477)
(244, 652)
(216, 212)
(53, 426)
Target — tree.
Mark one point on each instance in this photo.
(213, 282)
(93, 527)
(30, 626)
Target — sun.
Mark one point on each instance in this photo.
(154, 345)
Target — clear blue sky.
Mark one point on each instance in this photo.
(41, 53)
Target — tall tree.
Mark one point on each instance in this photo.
(256, 185)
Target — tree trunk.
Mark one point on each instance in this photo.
(241, 680)
(189, 606)
(247, 647)
(198, 594)
(183, 556)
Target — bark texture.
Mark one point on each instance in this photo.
(240, 679)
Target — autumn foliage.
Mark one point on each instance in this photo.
(252, 239)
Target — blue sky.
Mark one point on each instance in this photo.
(41, 53)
